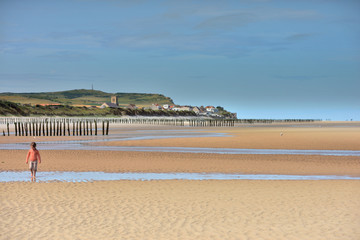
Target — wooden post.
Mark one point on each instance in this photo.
(8, 128)
(15, 128)
(26, 129)
(103, 128)
(47, 127)
(95, 128)
(30, 130)
(22, 129)
(39, 128)
(90, 128)
(50, 128)
(107, 127)
(68, 127)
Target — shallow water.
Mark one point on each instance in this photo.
(87, 144)
(11, 176)
(83, 146)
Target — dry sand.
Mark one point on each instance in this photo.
(181, 210)
(229, 209)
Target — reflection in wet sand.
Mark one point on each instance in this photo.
(10, 176)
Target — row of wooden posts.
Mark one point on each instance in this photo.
(57, 128)
(177, 122)
(85, 127)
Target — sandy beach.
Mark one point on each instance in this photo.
(118, 161)
(181, 209)
(322, 136)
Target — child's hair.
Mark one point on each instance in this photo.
(33, 144)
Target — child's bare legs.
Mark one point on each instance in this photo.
(34, 175)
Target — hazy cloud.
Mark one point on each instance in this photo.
(299, 36)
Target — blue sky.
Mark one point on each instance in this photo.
(259, 58)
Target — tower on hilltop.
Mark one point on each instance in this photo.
(114, 99)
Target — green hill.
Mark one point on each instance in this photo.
(14, 109)
(85, 97)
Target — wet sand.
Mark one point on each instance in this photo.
(180, 209)
(114, 161)
(271, 137)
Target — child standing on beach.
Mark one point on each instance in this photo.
(34, 156)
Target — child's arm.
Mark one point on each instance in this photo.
(27, 157)
(39, 157)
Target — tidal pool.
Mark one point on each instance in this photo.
(24, 176)
(89, 144)
(84, 146)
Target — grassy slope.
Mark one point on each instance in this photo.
(14, 109)
(84, 97)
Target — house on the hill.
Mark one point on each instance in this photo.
(132, 107)
(109, 105)
(113, 104)
(196, 110)
(211, 109)
(185, 108)
(155, 106)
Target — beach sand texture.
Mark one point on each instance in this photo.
(117, 161)
(181, 210)
(174, 209)
(322, 137)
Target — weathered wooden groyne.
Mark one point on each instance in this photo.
(191, 122)
(57, 126)
(89, 126)
(53, 126)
